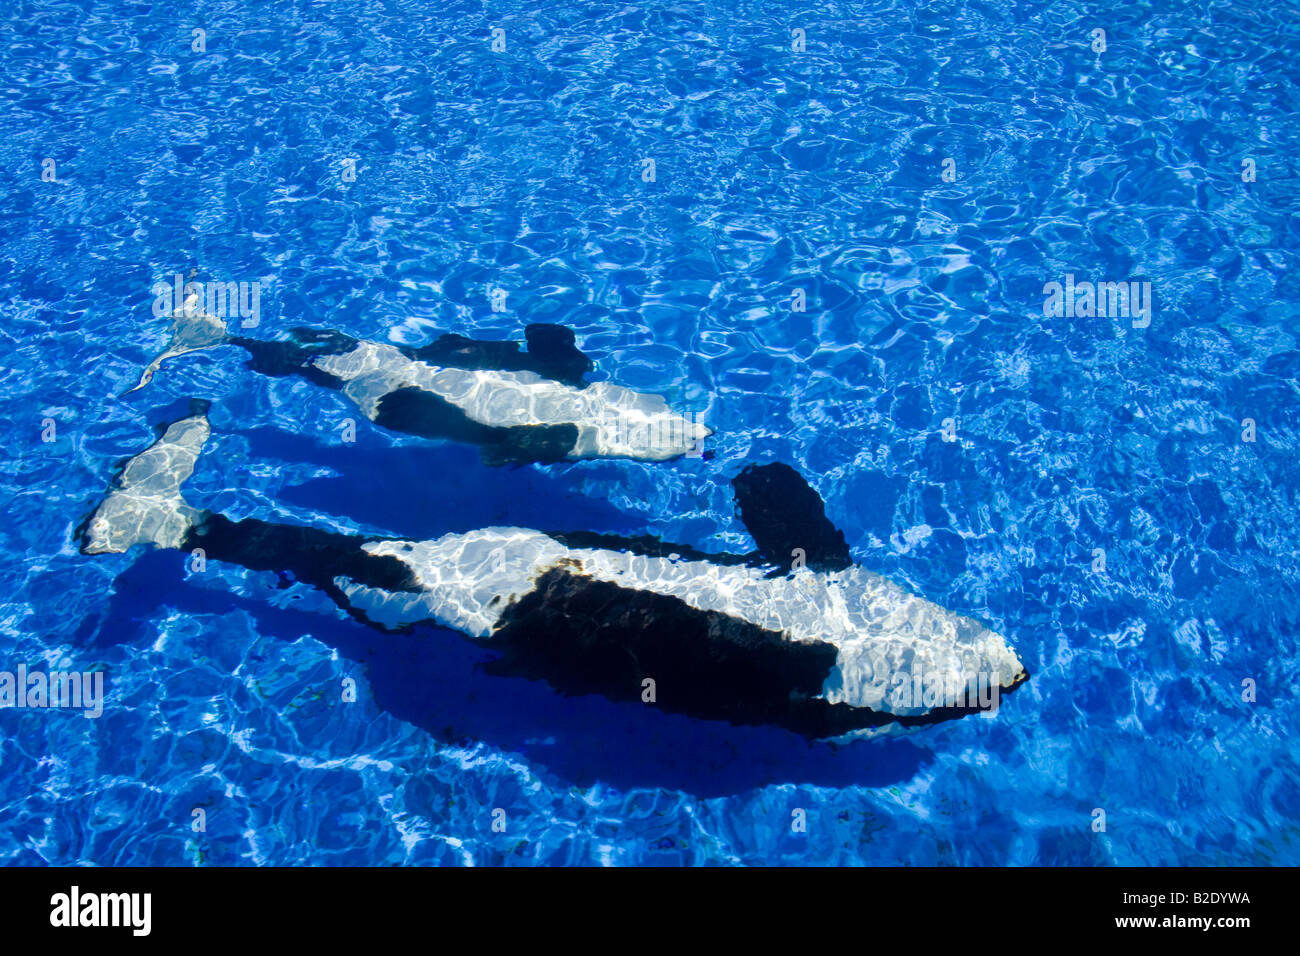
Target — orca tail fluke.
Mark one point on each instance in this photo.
(192, 329)
(144, 504)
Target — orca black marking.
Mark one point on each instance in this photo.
(818, 651)
(313, 555)
(518, 407)
(417, 412)
(583, 636)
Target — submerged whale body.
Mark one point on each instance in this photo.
(517, 406)
(830, 651)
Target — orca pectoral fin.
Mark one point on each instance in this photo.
(787, 519)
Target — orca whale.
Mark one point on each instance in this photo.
(518, 407)
(820, 646)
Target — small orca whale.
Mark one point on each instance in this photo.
(824, 648)
(518, 407)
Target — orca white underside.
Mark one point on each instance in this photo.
(612, 421)
(884, 635)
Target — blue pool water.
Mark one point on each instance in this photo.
(775, 170)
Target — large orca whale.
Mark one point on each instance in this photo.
(517, 406)
(818, 645)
